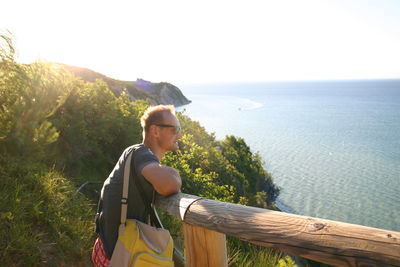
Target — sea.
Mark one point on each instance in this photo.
(333, 147)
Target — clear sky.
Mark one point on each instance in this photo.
(211, 41)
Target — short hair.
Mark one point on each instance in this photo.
(154, 115)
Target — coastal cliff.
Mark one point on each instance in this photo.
(155, 93)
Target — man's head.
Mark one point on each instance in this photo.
(161, 127)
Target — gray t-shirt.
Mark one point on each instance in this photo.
(109, 210)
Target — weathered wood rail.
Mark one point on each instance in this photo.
(206, 222)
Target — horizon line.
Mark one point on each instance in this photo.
(292, 81)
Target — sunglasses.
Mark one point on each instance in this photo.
(178, 129)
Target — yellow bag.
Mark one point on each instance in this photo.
(140, 244)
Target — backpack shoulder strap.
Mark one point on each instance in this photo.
(148, 204)
(125, 187)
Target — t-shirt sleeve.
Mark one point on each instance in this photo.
(143, 157)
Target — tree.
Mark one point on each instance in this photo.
(29, 95)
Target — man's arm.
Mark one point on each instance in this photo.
(165, 180)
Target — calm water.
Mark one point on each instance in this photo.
(333, 147)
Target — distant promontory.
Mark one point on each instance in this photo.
(155, 93)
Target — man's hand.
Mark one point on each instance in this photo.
(165, 180)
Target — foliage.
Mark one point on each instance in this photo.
(257, 256)
(95, 127)
(57, 131)
(43, 221)
(260, 189)
(29, 95)
(224, 170)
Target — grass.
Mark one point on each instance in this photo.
(43, 221)
(244, 254)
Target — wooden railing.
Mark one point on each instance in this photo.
(206, 222)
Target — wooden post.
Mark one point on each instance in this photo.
(326, 241)
(204, 248)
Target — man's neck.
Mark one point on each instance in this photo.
(154, 148)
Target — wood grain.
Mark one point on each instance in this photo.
(326, 241)
(176, 205)
(204, 248)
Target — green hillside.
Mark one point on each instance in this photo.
(58, 131)
(159, 93)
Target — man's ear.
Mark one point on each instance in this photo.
(154, 130)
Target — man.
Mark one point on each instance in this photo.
(161, 131)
